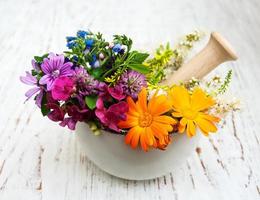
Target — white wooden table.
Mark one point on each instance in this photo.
(40, 160)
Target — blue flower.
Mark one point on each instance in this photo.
(116, 48)
(75, 58)
(71, 44)
(70, 38)
(94, 59)
(82, 34)
(89, 43)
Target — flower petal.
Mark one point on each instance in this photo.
(191, 129)
(159, 105)
(179, 97)
(142, 100)
(200, 101)
(165, 119)
(31, 92)
(205, 125)
(29, 79)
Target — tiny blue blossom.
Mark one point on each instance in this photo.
(89, 43)
(82, 34)
(71, 44)
(70, 38)
(116, 48)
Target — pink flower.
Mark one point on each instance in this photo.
(63, 87)
(117, 92)
(111, 116)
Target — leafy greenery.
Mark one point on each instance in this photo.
(44, 109)
(224, 86)
(158, 63)
(106, 61)
(91, 101)
(165, 57)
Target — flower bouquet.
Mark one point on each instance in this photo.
(127, 97)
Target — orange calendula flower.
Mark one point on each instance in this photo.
(147, 123)
(192, 109)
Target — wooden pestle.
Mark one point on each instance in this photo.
(217, 51)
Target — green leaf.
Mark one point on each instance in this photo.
(139, 68)
(39, 59)
(138, 57)
(44, 109)
(96, 73)
(91, 101)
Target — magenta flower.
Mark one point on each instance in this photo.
(75, 114)
(29, 79)
(54, 67)
(56, 114)
(62, 88)
(110, 117)
(117, 92)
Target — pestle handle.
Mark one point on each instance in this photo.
(217, 51)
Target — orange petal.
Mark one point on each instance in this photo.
(132, 137)
(143, 143)
(142, 99)
(165, 119)
(132, 107)
(149, 136)
(191, 129)
(181, 128)
(129, 122)
(159, 105)
(166, 127)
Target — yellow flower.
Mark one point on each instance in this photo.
(192, 109)
(147, 123)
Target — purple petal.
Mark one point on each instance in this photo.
(46, 66)
(31, 92)
(71, 123)
(28, 79)
(39, 99)
(48, 80)
(66, 70)
(45, 79)
(57, 61)
(35, 65)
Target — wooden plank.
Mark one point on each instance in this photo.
(40, 160)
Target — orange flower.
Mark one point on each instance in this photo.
(146, 122)
(192, 109)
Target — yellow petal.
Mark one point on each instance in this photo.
(205, 125)
(200, 101)
(179, 97)
(209, 117)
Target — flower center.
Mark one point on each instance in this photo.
(56, 73)
(190, 114)
(145, 119)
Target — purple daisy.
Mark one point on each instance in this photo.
(54, 67)
(132, 83)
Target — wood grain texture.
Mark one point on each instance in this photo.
(40, 160)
